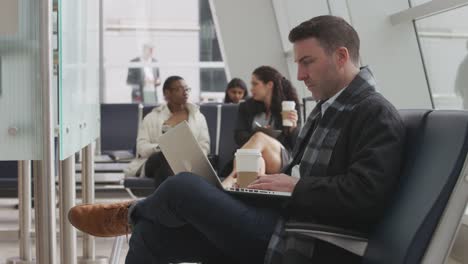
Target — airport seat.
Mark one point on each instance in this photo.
(119, 127)
(8, 179)
(139, 186)
(212, 116)
(147, 109)
(227, 145)
(421, 222)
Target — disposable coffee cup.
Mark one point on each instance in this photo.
(247, 166)
(287, 106)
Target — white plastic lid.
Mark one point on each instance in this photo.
(288, 104)
(253, 152)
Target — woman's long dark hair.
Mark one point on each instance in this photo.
(283, 89)
(235, 82)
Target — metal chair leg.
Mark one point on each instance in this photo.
(116, 250)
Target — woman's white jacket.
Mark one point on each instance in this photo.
(151, 129)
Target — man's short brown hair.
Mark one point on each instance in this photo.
(331, 32)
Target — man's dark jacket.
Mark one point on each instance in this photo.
(361, 176)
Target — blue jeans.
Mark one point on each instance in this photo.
(189, 220)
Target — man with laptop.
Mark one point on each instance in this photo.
(345, 165)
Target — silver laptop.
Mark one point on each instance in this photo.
(184, 154)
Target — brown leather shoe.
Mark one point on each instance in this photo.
(102, 220)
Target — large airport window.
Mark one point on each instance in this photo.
(444, 45)
(209, 46)
(213, 78)
(146, 41)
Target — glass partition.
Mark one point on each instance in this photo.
(79, 115)
(20, 82)
(444, 43)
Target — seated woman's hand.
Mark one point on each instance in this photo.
(291, 116)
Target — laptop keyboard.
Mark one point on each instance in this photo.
(247, 190)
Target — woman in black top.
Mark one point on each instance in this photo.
(269, 89)
(236, 91)
(259, 121)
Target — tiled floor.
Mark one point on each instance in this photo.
(9, 245)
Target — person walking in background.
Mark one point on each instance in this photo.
(236, 91)
(144, 77)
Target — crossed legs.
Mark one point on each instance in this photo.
(271, 153)
(187, 219)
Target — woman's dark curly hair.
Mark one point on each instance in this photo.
(283, 89)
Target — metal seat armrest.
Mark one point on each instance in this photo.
(349, 240)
